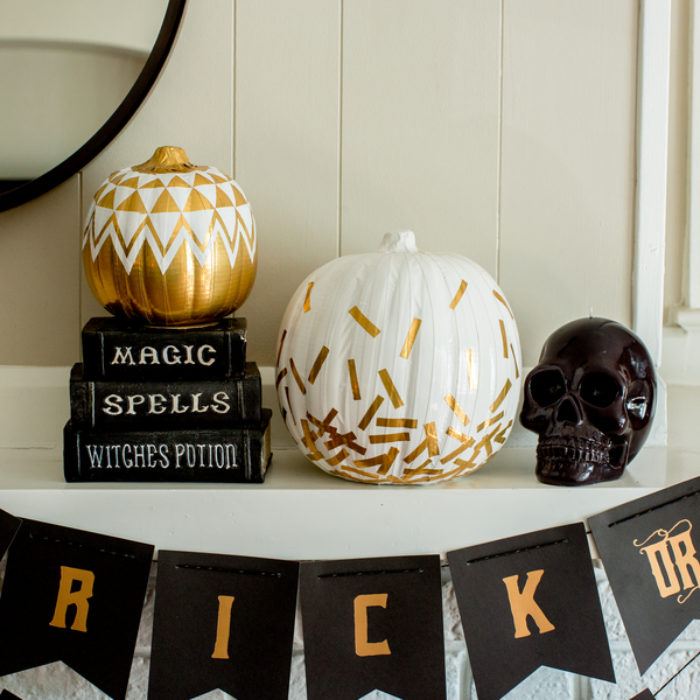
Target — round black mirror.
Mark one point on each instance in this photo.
(23, 179)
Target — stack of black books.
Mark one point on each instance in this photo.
(166, 404)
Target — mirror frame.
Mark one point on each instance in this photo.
(116, 122)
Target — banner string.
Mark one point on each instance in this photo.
(653, 508)
(224, 570)
(677, 673)
(338, 574)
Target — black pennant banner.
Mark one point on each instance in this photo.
(646, 694)
(530, 601)
(7, 695)
(650, 556)
(8, 529)
(373, 624)
(76, 597)
(222, 622)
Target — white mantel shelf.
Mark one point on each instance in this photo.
(301, 512)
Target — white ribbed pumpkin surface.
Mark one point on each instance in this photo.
(399, 366)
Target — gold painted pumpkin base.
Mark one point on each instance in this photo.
(188, 294)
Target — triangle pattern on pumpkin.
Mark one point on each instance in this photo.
(197, 202)
(200, 179)
(170, 213)
(164, 203)
(240, 199)
(133, 203)
(108, 200)
(222, 199)
(132, 182)
(177, 181)
(152, 184)
(116, 176)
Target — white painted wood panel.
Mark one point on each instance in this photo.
(190, 106)
(420, 124)
(568, 162)
(39, 279)
(286, 123)
(353, 118)
(680, 148)
(652, 171)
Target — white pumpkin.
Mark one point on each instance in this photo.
(399, 366)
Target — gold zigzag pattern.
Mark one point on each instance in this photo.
(111, 230)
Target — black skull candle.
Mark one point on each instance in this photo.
(591, 401)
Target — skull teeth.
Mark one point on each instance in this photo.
(573, 450)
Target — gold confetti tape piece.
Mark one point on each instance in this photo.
(309, 440)
(501, 396)
(351, 471)
(394, 397)
(459, 294)
(307, 300)
(337, 459)
(515, 361)
(489, 422)
(501, 437)
(397, 423)
(297, 378)
(431, 437)
(430, 443)
(346, 439)
(383, 461)
(422, 469)
(318, 363)
(369, 414)
(364, 322)
(410, 338)
(465, 439)
(504, 339)
(389, 437)
(324, 426)
(354, 384)
(503, 301)
(451, 401)
(279, 351)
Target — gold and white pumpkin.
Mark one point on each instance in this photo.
(399, 366)
(169, 242)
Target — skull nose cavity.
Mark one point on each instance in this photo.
(568, 412)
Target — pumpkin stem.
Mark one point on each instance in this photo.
(399, 242)
(167, 159)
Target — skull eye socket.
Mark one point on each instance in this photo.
(547, 386)
(599, 389)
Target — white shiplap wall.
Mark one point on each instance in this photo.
(503, 131)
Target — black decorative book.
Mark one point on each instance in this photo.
(116, 349)
(151, 405)
(166, 404)
(234, 454)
